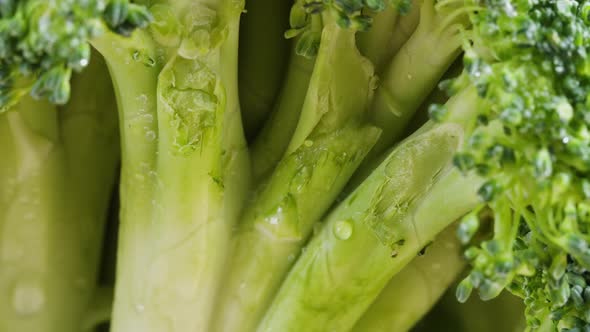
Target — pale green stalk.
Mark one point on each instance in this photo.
(415, 70)
(376, 44)
(405, 26)
(378, 229)
(415, 290)
(56, 176)
(412, 75)
(331, 139)
(390, 30)
(272, 140)
(185, 167)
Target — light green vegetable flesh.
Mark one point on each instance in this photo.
(322, 223)
(271, 142)
(375, 44)
(415, 71)
(377, 230)
(410, 294)
(412, 74)
(185, 167)
(331, 139)
(56, 176)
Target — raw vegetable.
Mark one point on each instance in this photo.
(313, 225)
(183, 152)
(331, 139)
(56, 176)
(520, 106)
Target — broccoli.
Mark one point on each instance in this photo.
(276, 174)
(56, 175)
(183, 151)
(515, 129)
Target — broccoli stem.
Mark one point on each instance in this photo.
(56, 178)
(415, 290)
(410, 77)
(413, 73)
(378, 229)
(405, 26)
(263, 55)
(376, 43)
(269, 146)
(331, 140)
(185, 164)
(280, 219)
(135, 83)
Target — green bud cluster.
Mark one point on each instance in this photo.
(348, 14)
(528, 60)
(43, 41)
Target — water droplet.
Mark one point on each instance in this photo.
(308, 143)
(139, 308)
(83, 62)
(28, 297)
(142, 99)
(343, 230)
(279, 214)
(410, 76)
(148, 117)
(291, 258)
(282, 220)
(150, 135)
(274, 219)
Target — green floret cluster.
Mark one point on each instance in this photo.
(532, 73)
(49, 40)
(305, 165)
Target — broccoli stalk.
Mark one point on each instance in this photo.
(406, 25)
(522, 106)
(273, 139)
(184, 161)
(57, 174)
(417, 67)
(269, 146)
(415, 290)
(412, 74)
(185, 168)
(271, 142)
(281, 217)
(331, 139)
(375, 44)
(378, 229)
